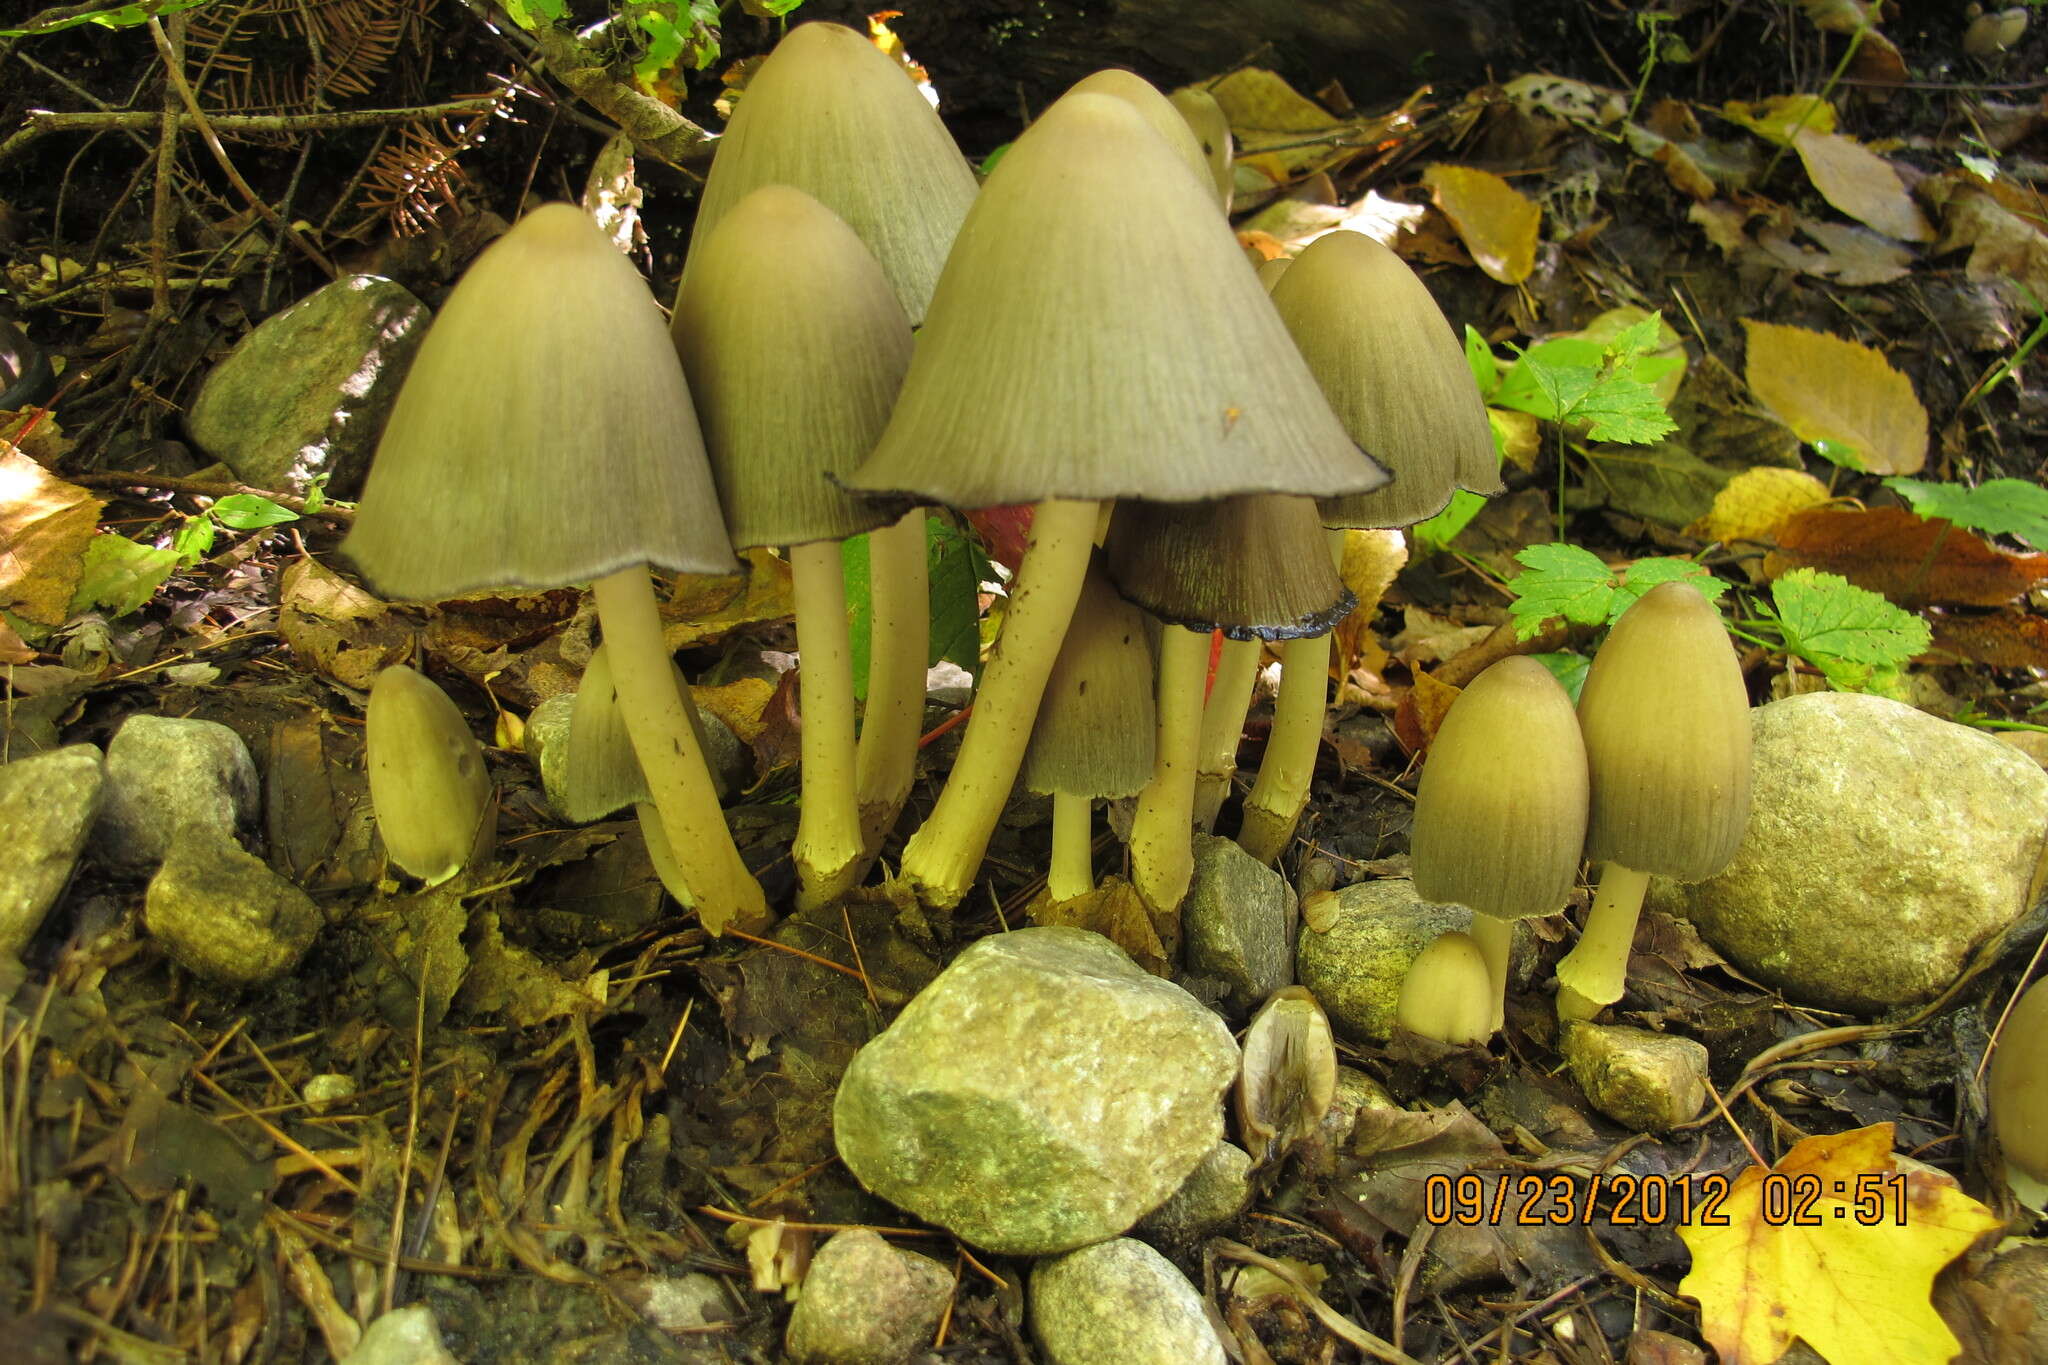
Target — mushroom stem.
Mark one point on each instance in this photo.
(827, 848)
(1496, 939)
(899, 642)
(678, 782)
(1073, 847)
(1162, 850)
(1230, 696)
(1594, 974)
(1273, 808)
(946, 851)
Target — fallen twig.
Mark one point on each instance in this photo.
(206, 488)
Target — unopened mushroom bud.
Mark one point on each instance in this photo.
(2019, 1096)
(428, 783)
(1448, 994)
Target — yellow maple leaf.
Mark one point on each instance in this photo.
(1829, 389)
(1837, 1245)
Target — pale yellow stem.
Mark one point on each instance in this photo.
(1496, 940)
(1230, 696)
(1273, 807)
(947, 850)
(1162, 848)
(899, 642)
(678, 782)
(1594, 974)
(1072, 872)
(827, 847)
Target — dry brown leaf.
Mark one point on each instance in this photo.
(1911, 560)
(1421, 711)
(2003, 243)
(1829, 389)
(13, 649)
(338, 628)
(704, 606)
(1861, 184)
(1877, 59)
(1113, 910)
(45, 526)
(2003, 639)
(1497, 222)
(1856, 256)
(1753, 504)
(1723, 223)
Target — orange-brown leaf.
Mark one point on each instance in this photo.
(1911, 560)
(2004, 639)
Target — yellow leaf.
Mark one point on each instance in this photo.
(1837, 1245)
(704, 606)
(1520, 435)
(739, 704)
(1756, 502)
(1777, 117)
(1495, 220)
(1829, 389)
(45, 525)
(1861, 184)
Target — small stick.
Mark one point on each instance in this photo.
(205, 488)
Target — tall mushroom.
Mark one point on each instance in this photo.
(1666, 720)
(1095, 335)
(795, 347)
(545, 436)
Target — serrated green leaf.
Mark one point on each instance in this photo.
(1625, 411)
(1646, 574)
(958, 567)
(1440, 530)
(1560, 580)
(1533, 382)
(1999, 507)
(1568, 668)
(114, 16)
(249, 512)
(1856, 638)
(860, 609)
(121, 575)
(1480, 359)
(1638, 338)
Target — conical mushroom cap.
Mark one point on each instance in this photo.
(1096, 727)
(602, 773)
(544, 435)
(1154, 107)
(794, 346)
(1447, 994)
(839, 120)
(1211, 127)
(1666, 720)
(1252, 567)
(1393, 369)
(1500, 817)
(1096, 335)
(428, 783)
(2019, 1085)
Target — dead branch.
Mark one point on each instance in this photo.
(41, 122)
(122, 478)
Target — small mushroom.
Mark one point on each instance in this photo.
(2019, 1096)
(428, 783)
(1449, 994)
(1289, 1074)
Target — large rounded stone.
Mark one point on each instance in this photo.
(1355, 967)
(1119, 1303)
(168, 774)
(224, 915)
(1884, 846)
(47, 807)
(1239, 924)
(1041, 1094)
(866, 1303)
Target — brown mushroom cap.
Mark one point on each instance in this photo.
(1096, 335)
(1500, 817)
(1666, 720)
(794, 346)
(832, 115)
(1096, 727)
(544, 435)
(1252, 567)
(2019, 1085)
(1395, 372)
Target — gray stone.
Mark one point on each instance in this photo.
(403, 1336)
(1642, 1080)
(1239, 920)
(1041, 1094)
(1119, 1303)
(1214, 1193)
(164, 775)
(1884, 846)
(1356, 968)
(224, 915)
(678, 1303)
(47, 807)
(306, 393)
(866, 1303)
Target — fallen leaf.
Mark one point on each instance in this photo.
(2003, 243)
(46, 526)
(1851, 1290)
(1861, 184)
(740, 704)
(1856, 255)
(13, 649)
(1664, 483)
(1914, 561)
(2003, 639)
(1828, 389)
(1756, 502)
(1778, 117)
(1497, 223)
(1723, 222)
(704, 606)
(338, 628)
(1113, 910)
(1422, 709)
(1877, 59)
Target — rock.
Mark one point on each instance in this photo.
(1214, 1193)
(1239, 923)
(1323, 1151)
(224, 915)
(1355, 970)
(1119, 1303)
(1642, 1080)
(1884, 846)
(1041, 1094)
(2032, 743)
(403, 1336)
(866, 1303)
(47, 807)
(677, 1303)
(306, 393)
(165, 774)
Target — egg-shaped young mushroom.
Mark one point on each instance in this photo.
(428, 785)
(1448, 993)
(2018, 1093)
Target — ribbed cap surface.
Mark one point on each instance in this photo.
(1256, 566)
(1154, 108)
(1096, 729)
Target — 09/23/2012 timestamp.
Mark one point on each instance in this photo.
(1782, 1200)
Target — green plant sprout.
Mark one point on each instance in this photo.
(121, 575)
(131, 15)
(1997, 507)
(958, 567)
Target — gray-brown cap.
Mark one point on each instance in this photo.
(1393, 369)
(544, 434)
(1096, 729)
(1096, 335)
(794, 346)
(1666, 719)
(830, 114)
(1500, 817)
(1255, 567)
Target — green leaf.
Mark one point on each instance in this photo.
(1839, 453)
(249, 512)
(1560, 580)
(1999, 507)
(1569, 669)
(664, 46)
(1646, 574)
(1443, 528)
(958, 568)
(1480, 359)
(1625, 411)
(121, 575)
(989, 162)
(113, 16)
(193, 540)
(532, 14)
(860, 608)
(1856, 638)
